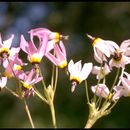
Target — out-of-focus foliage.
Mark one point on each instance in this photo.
(108, 20)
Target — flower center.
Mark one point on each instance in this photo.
(4, 52)
(63, 64)
(26, 85)
(117, 56)
(35, 58)
(17, 67)
(97, 40)
(76, 79)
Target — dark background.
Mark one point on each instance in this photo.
(107, 20)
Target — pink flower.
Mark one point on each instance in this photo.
(124, 89)
(102, 48)
(59, 59)
(101, 72)
(14, 67)
(53, 37)
(34, 54)
(28, 79)
(3, 82)
(121, 57)
(101, 90)
(5, 45)
(6, 50)
(78, 73)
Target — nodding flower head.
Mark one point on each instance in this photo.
(78, 73)
(28, 79)
(101, 72)
(101, 90)
(59, 59)
(34, 54)
(102, 48)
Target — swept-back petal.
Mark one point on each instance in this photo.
(87, 68)
(103, 48)
(24, 44)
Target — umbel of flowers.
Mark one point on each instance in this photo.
(50, 45)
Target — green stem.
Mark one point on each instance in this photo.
(95, 114)
(12, 92)
(117, 75)
(52, 76)
(94, 97)
(40, 72)
(53, 113)
(87, 95)
(28, 114)
(40, 96)
(56, 79)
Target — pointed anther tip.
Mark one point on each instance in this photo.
(65, 37)
(90, 37)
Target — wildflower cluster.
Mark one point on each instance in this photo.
(107, 54)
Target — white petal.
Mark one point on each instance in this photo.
(87, 68)
(103, 48)
(70, 66)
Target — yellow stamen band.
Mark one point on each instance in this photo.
(17, 67)
(110, 95)
(75, 78)
(4, 49)
(35, 58)
(26, 85)
(63, 64)
(57, 35)
(97, 40)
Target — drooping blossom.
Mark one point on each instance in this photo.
(78, 73)
(14, 67)
(53, 37)
(28, 79)
(102, 48)
(34, 54)
(124, 89)
(3, 82)
(121, 56)
(101, 90)
(59, 59)
(101, 72)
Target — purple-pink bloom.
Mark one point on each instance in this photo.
(100, 90)
(34, 54)
(6, 50)
(28, 79)
(59, 59)
(124, 89)
(53, 37)
(14, 67)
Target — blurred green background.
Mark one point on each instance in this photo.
(107, 20)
